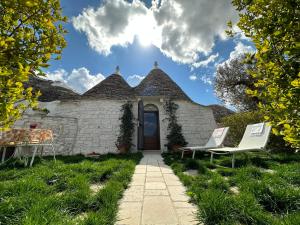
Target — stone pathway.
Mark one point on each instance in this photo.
(155, 196)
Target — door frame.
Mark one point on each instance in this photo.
(158, 131)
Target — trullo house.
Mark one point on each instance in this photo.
(90, 122)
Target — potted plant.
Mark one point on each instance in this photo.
(175, 137)
(124, 141)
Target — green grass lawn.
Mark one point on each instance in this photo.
(261, 190)
(60, 193)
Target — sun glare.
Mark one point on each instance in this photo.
(145, 30)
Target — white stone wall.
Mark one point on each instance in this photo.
(197, 122)
(98, 124)
(64, 128)
(93, 125)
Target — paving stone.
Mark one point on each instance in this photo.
(178, 193)
(156, 192)
(158, 210)
(136, 171)
(129, 213)
(138, 176)
(154, 174)
(173, 182)
(153, 168)
(137, 197)
(166, 171)
(140, 166)
(155, 185)
(134, 189)
(155, 179)
(170, 177)
(155, 196)
(187, 216)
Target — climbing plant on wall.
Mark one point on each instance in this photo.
(124, 141)
(175, 137)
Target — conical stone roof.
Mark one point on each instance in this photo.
(50, 90)
(113, 87)
(158, 83)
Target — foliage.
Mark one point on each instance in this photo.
(59, 193)
(126, 127)
(232, 80)
(274, 28)
(264, 196)
(30, 33)
(237, 123)
(175, 136)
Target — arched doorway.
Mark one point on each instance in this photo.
(151, 128)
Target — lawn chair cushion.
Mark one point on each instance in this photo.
(257, 129)
(218, 132)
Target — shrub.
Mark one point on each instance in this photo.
(175, 136)
(124, 140)
(191, 164)
(237, 123)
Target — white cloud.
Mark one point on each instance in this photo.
(206, 79)
(238, 50)
(79, 79)
(134, 80)
(180, 29)
(193, 77)
(206, 62)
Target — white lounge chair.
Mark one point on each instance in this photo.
(255, 138)
(215, 141)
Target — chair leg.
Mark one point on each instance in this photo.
(42, 151)
(233, 160)
(53, 149)
(3, 155)
(33, 155)
(211, 157)
(194, 154)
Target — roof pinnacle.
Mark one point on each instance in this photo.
(117, 70)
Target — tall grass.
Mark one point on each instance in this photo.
(59, 193)
(265, 197)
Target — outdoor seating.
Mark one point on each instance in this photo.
(215, 141)
(255, 138)
(21, 138)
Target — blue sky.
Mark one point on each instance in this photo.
(187, 40)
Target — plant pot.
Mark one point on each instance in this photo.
(123, 149)
(175, 148)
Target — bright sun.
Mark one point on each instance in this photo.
(145, 30)
(145, 39)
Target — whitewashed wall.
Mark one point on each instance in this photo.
(98, 124)
(197, 122)
(65, 129)
(93, 125)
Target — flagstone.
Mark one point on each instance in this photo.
(155, 196)
(155, 185)
(156, 192)
(129, 213)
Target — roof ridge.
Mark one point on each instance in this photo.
(164, 86)
(112, 87)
